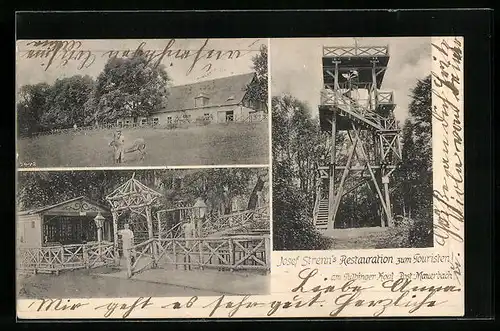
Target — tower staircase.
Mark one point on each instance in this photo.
(321, 219)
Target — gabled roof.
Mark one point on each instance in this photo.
(132, 194)
(225, 91)
(60, 204)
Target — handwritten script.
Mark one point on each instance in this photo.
(311, 290)
(61, 52)
(446, 109)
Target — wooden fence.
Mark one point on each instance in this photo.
(257, 218)
(65, 257)
(225, 253)
(252, 118)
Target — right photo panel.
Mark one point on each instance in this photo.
(352, 146)
(368, 174)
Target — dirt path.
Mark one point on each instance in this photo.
(86, 284)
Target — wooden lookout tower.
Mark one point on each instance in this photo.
(352, 105)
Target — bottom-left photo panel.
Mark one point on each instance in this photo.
(147, 233)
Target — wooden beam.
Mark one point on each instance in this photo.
(372, 175)
(340, 190)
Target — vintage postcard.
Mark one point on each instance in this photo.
(161, 102)
(336, 189)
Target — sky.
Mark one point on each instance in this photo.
(296, 67)
(34, 65)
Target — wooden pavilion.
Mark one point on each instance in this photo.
(65, 223)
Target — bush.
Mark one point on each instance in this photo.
(292, 228)
(202, 121)
(421, 231)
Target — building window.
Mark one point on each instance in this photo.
(201, 100)
(155, 120)
(143, 121)
(127, 122)
(169, 120)
(32, 224)
(119, 122)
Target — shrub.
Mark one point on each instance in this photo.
(292, 228)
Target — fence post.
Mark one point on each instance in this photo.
(85, 256)
(200, 248)
(62, 255)
(155, 251)
(267, 251)
(129, 263)
(231, 254)
(174, 243)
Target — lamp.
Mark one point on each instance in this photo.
(99, 223)
(99, 220)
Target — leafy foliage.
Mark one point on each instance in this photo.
(258, 89)
(292, 225)
(128, 87)
(32, 104)
(415, 192)
(65, 102)
(298, 147)
(217, 186)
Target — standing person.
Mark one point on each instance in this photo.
(189, 233)
(200, 210)
(127, 243)
(120, 145)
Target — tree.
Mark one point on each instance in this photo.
(298, 148)
(130, 87)
(415, 192)
(66, 102)
(257, 90)
(298, 139)
(32, 104)
(217, 186)
(292, 224)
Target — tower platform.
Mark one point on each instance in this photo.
(355, 58)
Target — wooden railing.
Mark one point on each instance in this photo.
(229, 253)
(316, 201)
(351, 107)
(258, 217)
(385, 97)
(65, 257)
(349, 51)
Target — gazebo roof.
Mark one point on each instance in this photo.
(79, 205)
(132, 194)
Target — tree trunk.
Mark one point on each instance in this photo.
(259, 186)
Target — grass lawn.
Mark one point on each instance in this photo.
(216, 144)
(85, 284)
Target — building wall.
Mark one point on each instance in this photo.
(29, 230)
(214, 114)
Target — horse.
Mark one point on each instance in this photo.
(120, 148)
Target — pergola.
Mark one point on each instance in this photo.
(135, 197)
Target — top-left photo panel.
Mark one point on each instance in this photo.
(153, 102)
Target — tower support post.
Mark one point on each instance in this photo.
(331, 186)
(385, 181)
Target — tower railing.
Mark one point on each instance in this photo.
(360, 51)
(335, 98)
